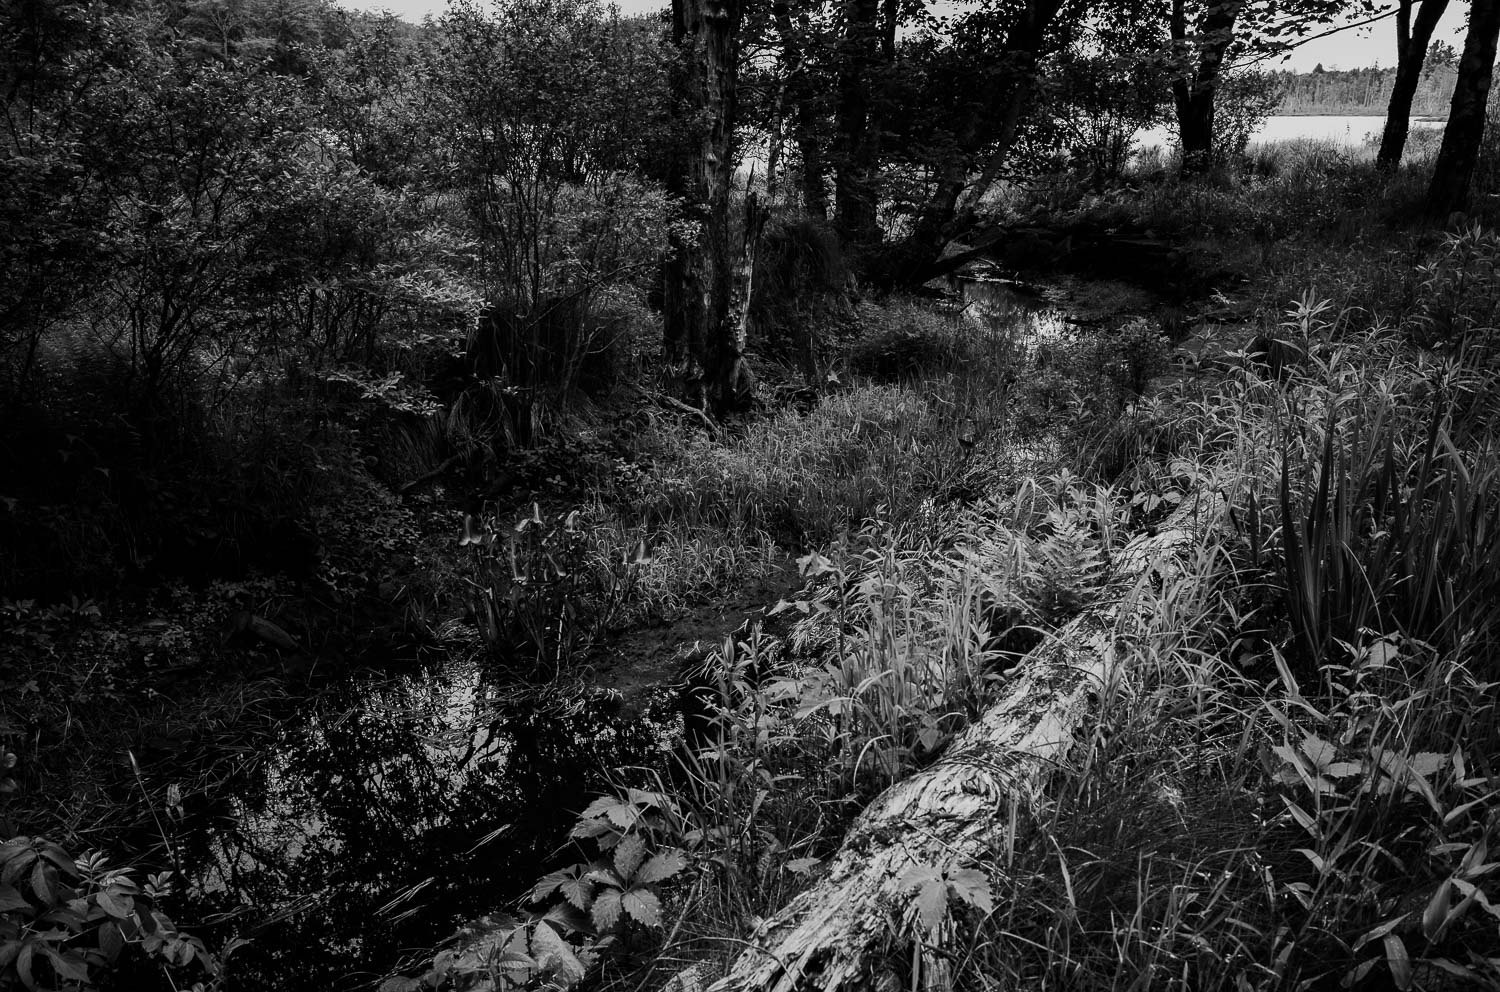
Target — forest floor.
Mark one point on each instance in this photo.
(902, 543)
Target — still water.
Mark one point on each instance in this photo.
(1345, 131)
(390, 810)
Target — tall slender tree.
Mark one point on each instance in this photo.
(867, 52)
(801, 91)
(1412, 38)
(700, 333)
(1454, 170)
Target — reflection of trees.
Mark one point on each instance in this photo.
(376, 792)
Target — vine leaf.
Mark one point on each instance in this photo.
(643, 907)
(629, 856)
(606, 910)
(661, 867)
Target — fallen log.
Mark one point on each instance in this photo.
(951, 815)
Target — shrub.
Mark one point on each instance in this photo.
(801, 304)
(67, 922)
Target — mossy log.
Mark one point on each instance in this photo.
(855, 929)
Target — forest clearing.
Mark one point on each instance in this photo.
(773, 496)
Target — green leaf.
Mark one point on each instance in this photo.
(1436, 913)
(550, 883)
(1399, 961)
(60, 858)
(932, 903)
(623, 815)
(111, 941)
(802, 866)
(629, 856)
(115, 903)
(643, 907)
(41, 883)
(568, 919)
(12, 901)
(662, 866)
(23, 964)
(599, 807)
(606, 910)
(972, 887)
(1379, 932)
(578, 892)
(70, 965)
(399, 983)
(17, 865)
(555, 955)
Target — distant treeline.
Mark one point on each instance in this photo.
(1361, 91)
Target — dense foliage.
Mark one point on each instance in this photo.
(334, 345)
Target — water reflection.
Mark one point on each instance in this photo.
(999, 306)
(397, 809)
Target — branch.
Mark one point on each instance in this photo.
(1321, 34)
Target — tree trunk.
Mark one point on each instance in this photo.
(699, 276)
(1459, 153)
(804, 99)
(1196, 86)
(857, 145)
(1412, 40)
(846, 932)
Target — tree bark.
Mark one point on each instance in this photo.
(1412, 39)
(1196, 86)
(857, 145)
(1459, 153)
(698, 281)
(845, 932)
(804, 99)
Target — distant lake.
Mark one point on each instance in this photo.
(1343, 130)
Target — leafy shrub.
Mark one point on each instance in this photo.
(904, 341)
(67, 922)
(801, 304)
(1398, 830)
(592, 903)
(1459, 292)
(540, 591)
(809, 477)
(1394, 535)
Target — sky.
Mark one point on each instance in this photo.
(1373, 45)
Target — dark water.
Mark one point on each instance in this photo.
(1004, 307)
(392, 810)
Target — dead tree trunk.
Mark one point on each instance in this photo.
(1412, 39)
(698, 277)
(949, 815)
(1459, 153)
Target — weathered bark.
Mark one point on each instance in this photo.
(953, 814)
(1412, 39)
(990, 131)
(857, 143)
(698, 278)
(1459, 153)
(803, 96)
(1194, 89)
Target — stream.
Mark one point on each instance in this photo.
(391, 809)
(391, 812)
